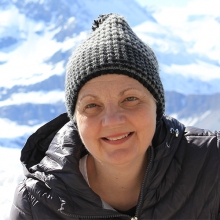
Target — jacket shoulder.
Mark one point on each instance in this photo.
(21, 209)
(194, 131)
(195, 135)
(203, 135)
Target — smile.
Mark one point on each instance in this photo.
(118, 137)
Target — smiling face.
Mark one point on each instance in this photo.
(116, 118)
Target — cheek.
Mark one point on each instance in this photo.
(86, 129)
(82, 127)
(146, 122)
(147, 126)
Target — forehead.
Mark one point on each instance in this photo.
(111, 81)
(111, 85)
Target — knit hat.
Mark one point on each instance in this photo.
(111, 48)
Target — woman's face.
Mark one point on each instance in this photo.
(116, 118)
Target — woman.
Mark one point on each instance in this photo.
(116, 155)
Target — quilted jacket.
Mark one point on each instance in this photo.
(182, 180)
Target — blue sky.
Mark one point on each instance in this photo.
(177, 3)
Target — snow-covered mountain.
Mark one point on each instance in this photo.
(37, 37)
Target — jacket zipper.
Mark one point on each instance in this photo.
(122, 215)
(144, 185)
(95, 217)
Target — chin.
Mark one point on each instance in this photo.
(121, 157)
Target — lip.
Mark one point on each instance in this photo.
(119, 141)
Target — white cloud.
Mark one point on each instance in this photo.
(196, 24)
(208, 7)
(175, 16)
(200, 70)
(34, 97)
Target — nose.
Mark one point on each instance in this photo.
(113, 116)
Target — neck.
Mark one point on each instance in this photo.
(109, 181)
(126, 174)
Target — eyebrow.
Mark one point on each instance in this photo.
(84, 96)
(121, 93)
(130, 88)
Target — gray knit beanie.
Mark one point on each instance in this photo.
(111, 48)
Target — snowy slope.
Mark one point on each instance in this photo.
(32, 55)
(10, 175)
(185, 65)
(195, 110)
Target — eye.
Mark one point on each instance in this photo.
(92, 105)
(131, 99)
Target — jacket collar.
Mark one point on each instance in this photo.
(52, 156)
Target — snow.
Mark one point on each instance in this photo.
(151, 32)
(190, 38)
(26, 64)
(191, 121)
(196, 23)
(195, 7)
(10, 25)
(10, 175)
(204, 115)
(116, 6)
(11, 172)
(197, 70)
(71, 43)
(18, 130)
(34, 97)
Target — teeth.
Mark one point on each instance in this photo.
(118, 138)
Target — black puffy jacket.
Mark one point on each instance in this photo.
(182, 180)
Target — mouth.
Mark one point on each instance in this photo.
(118, 137)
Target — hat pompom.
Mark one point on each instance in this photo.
(99, 21)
